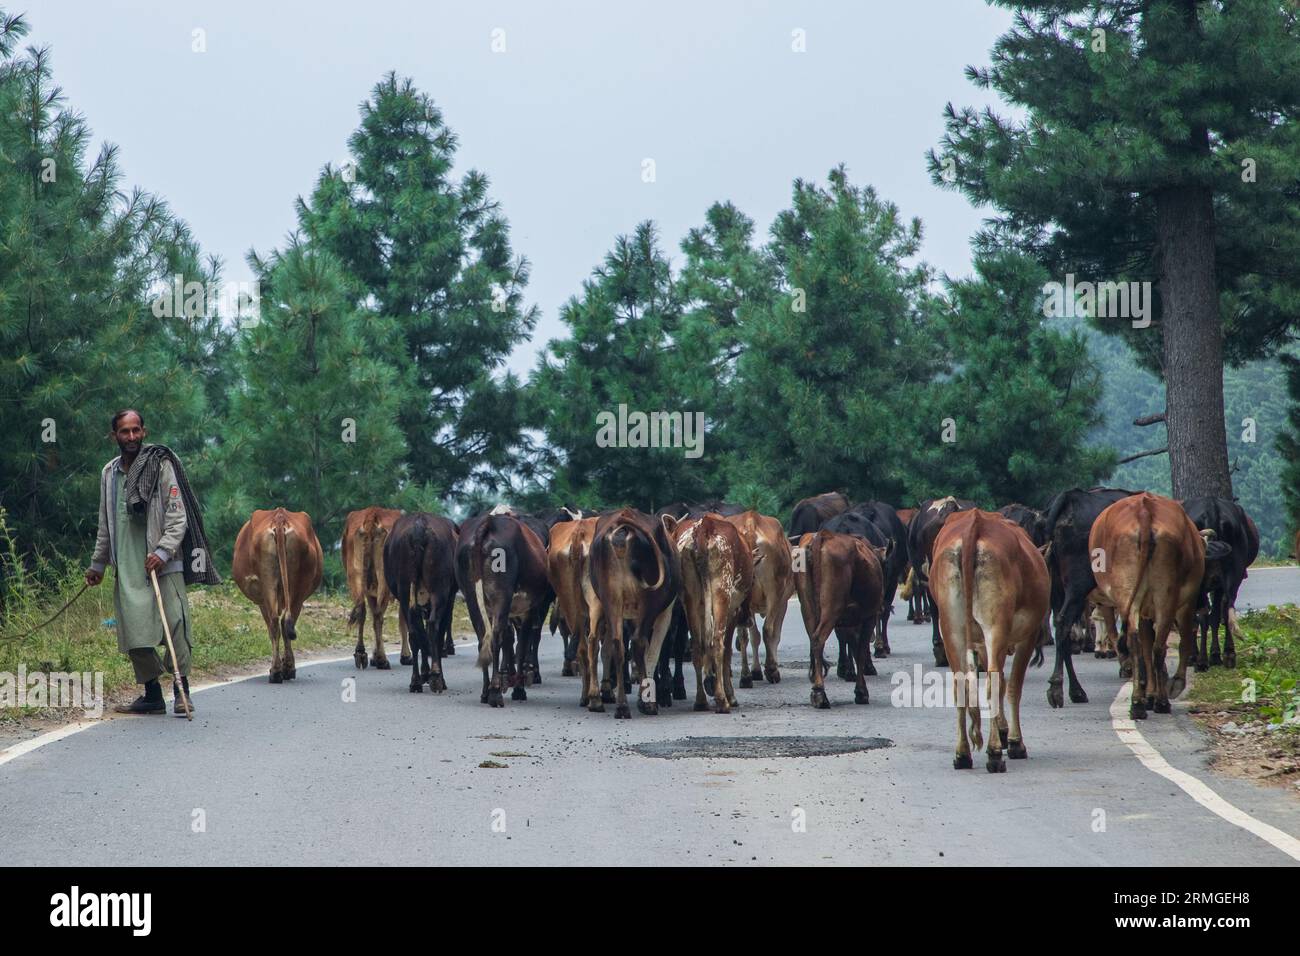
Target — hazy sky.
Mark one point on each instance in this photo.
(560, 122)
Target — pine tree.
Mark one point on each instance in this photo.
(1159, 145)
(1021, 396)
(80, 266)
(433, 253)
(622, 349)
(313, 425)
(828, 386)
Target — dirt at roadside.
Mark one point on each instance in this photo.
(1244, 748)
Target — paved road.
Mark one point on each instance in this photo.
(293, 774)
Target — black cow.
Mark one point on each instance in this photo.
(810, 514)
(856, 525)
(1233, 528)
(894, 565)
(921, 532)
(419, 558)
(501, 570)
(1068, 519)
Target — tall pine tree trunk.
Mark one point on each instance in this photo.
(1193, 343)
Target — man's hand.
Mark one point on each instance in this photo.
(153, 563)
(93, 577)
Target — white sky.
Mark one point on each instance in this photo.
(560, 122)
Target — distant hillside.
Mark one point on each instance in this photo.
(1255, 391)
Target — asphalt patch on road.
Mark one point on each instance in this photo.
(754, 747)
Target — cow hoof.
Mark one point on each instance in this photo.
(606, 696)
(595, 707)
(650, 710)
(276, 677)
(566, 669)
(819, 699)
(679, 690)
(519, 693)
(870, 669)
(1126, 671)
(962, 762)
(1077, 696)
(359, 659)
(861, 697)
(1230, 659)
(437, 684)
(773, 676)
(449, 649)
(700, 705)
(537, 677)
(881, 653)
(1111, 655)
(1002, 735)
(996, 765)
(746, 681)
(1216, 660)
(291, 674)
(495, 699)
(1016, 750)
(381, 663)
(1162, 707)
(622, 712)
(1137, 711)
(722, 708)
(405, 660)
(940, 656)
(1054, 696)
(1099, 654)
(416, 686)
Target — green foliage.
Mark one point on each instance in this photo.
(432, 253)
(1022, 394)
(821, 359)
(81, 263)
(1268, 663)
(313, 425)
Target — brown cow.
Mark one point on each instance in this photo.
(717, 569)
(567, 561)
(364, 534)
(277, 566)
(769, 596)
(841, 587)
(1148, 561)
(634, 578)
(991, 590)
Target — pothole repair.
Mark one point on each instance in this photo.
(754, 747)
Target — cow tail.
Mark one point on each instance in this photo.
(1146, 545)
(909, 583)
(968, 545)
(281, 556)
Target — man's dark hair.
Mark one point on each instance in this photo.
(118, 417)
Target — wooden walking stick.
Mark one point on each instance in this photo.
(176, 665)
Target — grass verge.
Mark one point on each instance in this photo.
(1253, 710)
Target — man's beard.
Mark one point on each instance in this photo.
(130, 447)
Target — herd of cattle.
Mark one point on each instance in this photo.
(632, 594)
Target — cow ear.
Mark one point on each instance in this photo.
(669, 523)
(572, 516)
(1045, 550)
(881, 553)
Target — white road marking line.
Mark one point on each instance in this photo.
(1151, 758)
(15, 751)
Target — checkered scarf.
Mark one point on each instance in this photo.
(141, 485)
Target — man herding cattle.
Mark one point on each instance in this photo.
(149, 523)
